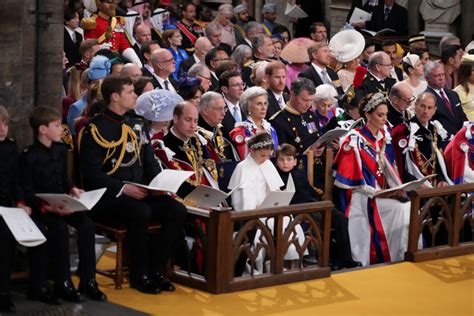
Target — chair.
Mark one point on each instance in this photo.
(117, 233)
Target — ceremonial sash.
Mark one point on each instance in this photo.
(186, 32)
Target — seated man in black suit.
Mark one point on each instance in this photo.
(201, 47)
(232, 87)
(319, 72)
(377, 78)
(142, 35)
(401, 97)
(164, 65)
(275, 74)
(388, 14)
(212, 60)
(145, 54)
(449, 111)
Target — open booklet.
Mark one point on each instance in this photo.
(280, 198)
(360, 15)
(168, 180)
(294, 11)
(328, 138)
(85, 202)
(206, 197)
(409, 186)
(22, 227)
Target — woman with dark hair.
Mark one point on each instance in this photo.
(364, 165)
(465, 89)
(413, 67)
(142, 85)
(172, 39)
(282, 33)
(190, 90)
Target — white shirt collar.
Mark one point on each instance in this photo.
(230, 104)
(161, 81)
(196, 59)
(71, 32)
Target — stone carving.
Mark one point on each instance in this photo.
(440, 11)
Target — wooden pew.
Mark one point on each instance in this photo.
(454, 204)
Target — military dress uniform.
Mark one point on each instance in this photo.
(190, 35)
(44, 170)
(115, 148)
(106, 30)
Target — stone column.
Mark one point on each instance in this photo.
(467, 22)
(17, 65)
(414, 17)
(50, 17)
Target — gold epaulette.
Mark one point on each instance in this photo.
(67, 136)
(89, 23)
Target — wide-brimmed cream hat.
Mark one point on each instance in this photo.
(346, 45)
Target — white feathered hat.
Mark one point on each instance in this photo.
(346, 45)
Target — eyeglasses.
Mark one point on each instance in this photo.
(167, 61)
(220, 59)
(410, 100)
(208, 78)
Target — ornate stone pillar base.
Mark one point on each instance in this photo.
(434, 32)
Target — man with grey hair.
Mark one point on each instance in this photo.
(213, 32)
(251, 30)
(201, 71)
(378, 77)
(401, 98)
(164, 65)
(449, 111)
(211, 113)
(263, 49)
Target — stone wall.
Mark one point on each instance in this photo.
(25, 82)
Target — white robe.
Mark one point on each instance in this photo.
(254, 182)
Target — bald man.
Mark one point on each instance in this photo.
(401, 98)
(164, 66)
(131, 70)
(142, 35)
(201, 47)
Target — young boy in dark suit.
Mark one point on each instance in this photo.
(44, 170)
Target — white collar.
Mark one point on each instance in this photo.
(318, 69)
(196, 59)
(230, 104)
(174, 133)
(70, 31)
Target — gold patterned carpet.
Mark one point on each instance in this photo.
(439, 287)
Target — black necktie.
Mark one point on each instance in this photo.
(166, 85)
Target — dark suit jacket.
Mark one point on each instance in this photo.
(371, 85)
(273, 105)
(214, 83)
(173, 82)
(313, 75)
(397, 19)
(399, 73)
(185, 65)
(228, 122)
(444, 116)
(147, 73)
(72, 49)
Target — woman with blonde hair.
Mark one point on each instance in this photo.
(223, 18)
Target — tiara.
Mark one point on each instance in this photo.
(262, 144)
(375, 100)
